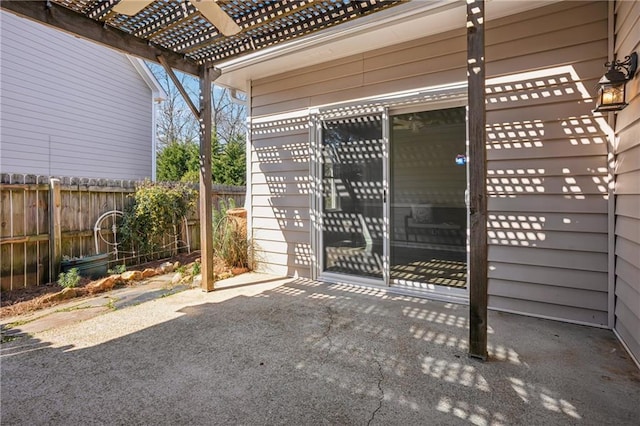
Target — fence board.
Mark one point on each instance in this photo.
(6, 270)
(24, 222)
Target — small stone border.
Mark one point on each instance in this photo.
(127, 278)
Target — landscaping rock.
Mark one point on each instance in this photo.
(167, 267)
(224, 276)
(67, 293)
(132, 276)
(197, 280)
(148, 273)
(176, 265)
(238, 271)
(100, 286)
(176, 278)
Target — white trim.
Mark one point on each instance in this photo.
(635, 360)
(315, 219)
(386, 191)
(233, 94)
(373, 285)
(157, 95)
(248, 200)
(278, 117)
(348, 279)
(154, 140)
(395, 100)
(148, 77)
(406, 12)
(438, 292)
(611, 201)
(393, 26)
(548, 317)
(431, 106)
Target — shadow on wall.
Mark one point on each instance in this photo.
(281, 191)
(548, 184)
(547, 177)
(338, 354)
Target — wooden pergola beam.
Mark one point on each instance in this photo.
(77, 24)
(179, 86)
(478, 282)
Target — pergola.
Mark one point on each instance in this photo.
(193, 36)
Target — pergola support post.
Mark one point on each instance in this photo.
(206, 207)
(478, 285)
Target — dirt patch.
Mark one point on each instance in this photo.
(30, 299)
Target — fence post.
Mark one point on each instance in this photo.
(55, 229)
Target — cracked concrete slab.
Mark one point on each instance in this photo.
(264, 350)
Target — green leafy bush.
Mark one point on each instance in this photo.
(197, 268)
(155, 214)
(69, 279)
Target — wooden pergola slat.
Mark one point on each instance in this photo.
(64, 19)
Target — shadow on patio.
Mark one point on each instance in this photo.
(309, 353)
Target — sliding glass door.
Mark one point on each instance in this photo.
(352, 197)
(390, 206)
(428, 208)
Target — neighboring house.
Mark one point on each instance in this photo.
(69, 107)
(357, 152)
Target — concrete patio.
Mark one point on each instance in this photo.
(268, 350)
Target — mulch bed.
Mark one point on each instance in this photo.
(29, 299)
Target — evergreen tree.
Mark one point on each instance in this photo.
(229, 167)
(177, 159)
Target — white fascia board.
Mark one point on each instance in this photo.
(398, 24)
(158, 92)
(402, 13)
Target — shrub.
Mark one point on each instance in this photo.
(69, 279)
(230, 237)
(197, 268)
(156, 213)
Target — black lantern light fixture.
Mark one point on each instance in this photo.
(611, 87)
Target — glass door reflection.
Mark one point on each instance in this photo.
(352, 196)
(428, 209)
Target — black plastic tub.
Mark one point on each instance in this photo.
(89, 266)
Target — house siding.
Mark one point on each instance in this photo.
(280, 196)
(547, 167)
(70, 107)
(627, 188)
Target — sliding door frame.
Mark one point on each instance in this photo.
(427, 99)
(316, 202)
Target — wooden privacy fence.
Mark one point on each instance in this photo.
(29, 256)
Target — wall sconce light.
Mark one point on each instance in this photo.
(611, 87)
